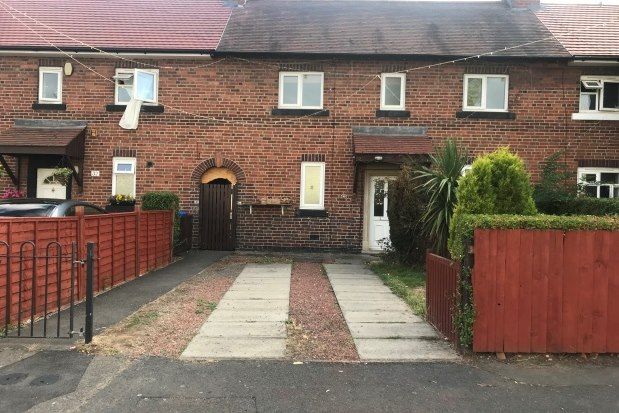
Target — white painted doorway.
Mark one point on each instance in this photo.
(49, 190)
(378, 228)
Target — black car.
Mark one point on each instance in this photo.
(43, 207)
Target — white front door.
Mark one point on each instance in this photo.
(50, 189)
(378, 223)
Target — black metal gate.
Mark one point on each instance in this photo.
(217, 217)
(40, 291)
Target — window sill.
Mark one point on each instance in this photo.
(466, 114)
(145, 108)
(595, 116)
(299, 112)
(312, 213)
(49, 106)
(393, 113)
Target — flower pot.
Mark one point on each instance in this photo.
(119, 208)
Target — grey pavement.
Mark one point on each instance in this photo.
(383, 326)
(65, 381)
(118, 303)
(250, 319)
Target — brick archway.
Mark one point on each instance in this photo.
(196, 175)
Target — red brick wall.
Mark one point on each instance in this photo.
(268, 148)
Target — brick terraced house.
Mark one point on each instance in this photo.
(279, 123)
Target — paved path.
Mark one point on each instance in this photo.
(250, 320)
(382, 325)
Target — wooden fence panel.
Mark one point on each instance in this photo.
(127, 245)
(441, 288)
(546, 291)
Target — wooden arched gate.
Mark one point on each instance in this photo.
(217, 217)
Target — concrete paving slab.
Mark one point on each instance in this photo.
(403, 349)
(254, 304)
(272, 329)
(392, 330)
(380, 316)
(248, 315)
(249, 321)
(351, 275)
(360, 289)
(257, 295)
(364, 305)
(209, 348)
(370, 296)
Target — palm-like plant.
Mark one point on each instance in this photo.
(439, 182)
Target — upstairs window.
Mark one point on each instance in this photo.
(312, 185)
(485, 93)
(392, 91)
(599, 182)
(300, 90)
(599, 94)
(123, 176)
(50, 85)
(141, 84)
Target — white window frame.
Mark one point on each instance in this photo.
(484, 82)
(54, 70)
(383, 88)
(299, 104)
(598, 171)
(118, 160)
(135, 72)
(321, 204)
(598, 91)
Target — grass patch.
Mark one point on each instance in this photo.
(142, 319)
(203, 305)
(408, 283)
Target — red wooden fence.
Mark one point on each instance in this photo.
(544, 291)
(441, 287)
(127, 245)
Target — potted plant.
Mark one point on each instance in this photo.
(120, 203)
(59, 176)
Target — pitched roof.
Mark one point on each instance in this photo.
(115, 25)
(572, 25)
(385, 28)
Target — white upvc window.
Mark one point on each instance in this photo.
(50, 85)
(123, 176)
(599, 182)
(312, 185)
(300, 90)
(599, 93)
(392, 91)
(487, 93)
(141, 84)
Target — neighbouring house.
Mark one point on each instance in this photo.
(280, 123)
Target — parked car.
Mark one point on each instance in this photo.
(43, 207)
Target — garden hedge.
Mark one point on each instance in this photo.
(579, 206)
(163, 200)
(461, 239)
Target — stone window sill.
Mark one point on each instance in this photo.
(49, 106)
(485, 115)
(145, 108)
(299, 112)
(312, 213)
(393, 114)
(595, 116)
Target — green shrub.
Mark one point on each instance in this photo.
(580, 206)
(461, 240)
(164, 200)
(406, 207)
(556, 181)
(496, 184)
(440, 184)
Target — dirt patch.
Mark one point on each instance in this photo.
(316, 328)
(165, 326)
